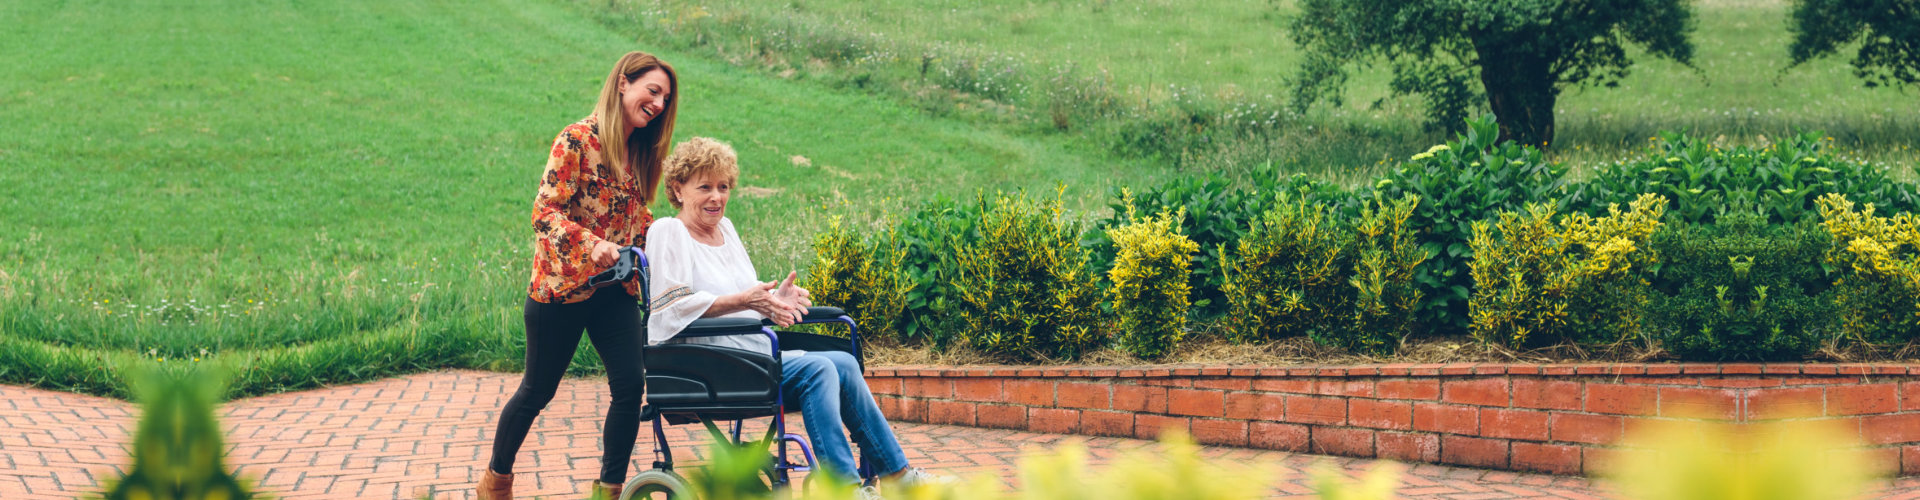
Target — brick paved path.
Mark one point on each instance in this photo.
(429, 433)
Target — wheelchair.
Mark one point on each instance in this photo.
(699, 383)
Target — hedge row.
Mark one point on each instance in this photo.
(1713, 254)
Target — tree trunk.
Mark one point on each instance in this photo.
(1520, 91)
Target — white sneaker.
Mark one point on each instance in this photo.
(917, 477)
(867, 493)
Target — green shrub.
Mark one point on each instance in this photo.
(1305, 269)
(1878, 261)
(1149, 278)
(1458, 183)
(1783, 179)
(1579, 278)
(1339, 279)
(1024, 286)
(1218, 213)
(930, 239)
(862, 274)
(1288, 276)
(1740, 288)
(1386, 297)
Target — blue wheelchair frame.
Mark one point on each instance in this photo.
(633, 265)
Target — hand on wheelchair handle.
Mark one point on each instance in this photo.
(605, 253)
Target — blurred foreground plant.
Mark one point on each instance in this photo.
(1172, 470)
(177, 451)
(1798, 460)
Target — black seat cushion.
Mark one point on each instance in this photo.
(698, 375)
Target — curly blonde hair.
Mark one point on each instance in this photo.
(696, 157)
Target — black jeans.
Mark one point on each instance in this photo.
(611, 319)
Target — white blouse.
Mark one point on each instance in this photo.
(687, 276)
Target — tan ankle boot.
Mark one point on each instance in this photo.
(613, 490)
(495, 486)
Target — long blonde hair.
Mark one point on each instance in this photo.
(642, 153)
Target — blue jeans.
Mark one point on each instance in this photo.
(831, 392)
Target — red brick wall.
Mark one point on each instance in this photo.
(1542, 418)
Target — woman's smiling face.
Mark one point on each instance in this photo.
(644, 98)
(703, 199)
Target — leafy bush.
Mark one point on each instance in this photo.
(1740, 288)
(863, 275)
(930, 238)
(1288, 276)
(1458, 183)
(1024, 286)
(1700, 178)
(1218, 213)
(1386, 297)
(1150, 283)
(1304, 269)
(1878, 259)
(1575, 279)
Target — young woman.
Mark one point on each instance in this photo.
(602, 172)
(701, 270)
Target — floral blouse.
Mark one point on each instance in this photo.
(582, 201)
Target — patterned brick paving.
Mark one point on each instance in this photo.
(428, 434)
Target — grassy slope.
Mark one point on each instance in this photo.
(1239, 47)
(239, 175)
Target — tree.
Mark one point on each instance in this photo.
(1522, 52)
(1888, 32)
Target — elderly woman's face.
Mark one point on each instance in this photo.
(703, 199)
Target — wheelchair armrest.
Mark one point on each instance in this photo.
(715, 327)
(811, 342)
(818, 313)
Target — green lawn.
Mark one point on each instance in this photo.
(276, 181)
(1238, 49)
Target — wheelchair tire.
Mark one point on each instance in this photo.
(663, 483)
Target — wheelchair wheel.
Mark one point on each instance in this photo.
(657, 485)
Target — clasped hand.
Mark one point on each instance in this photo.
(784, 303)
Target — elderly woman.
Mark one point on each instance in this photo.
(700, 270)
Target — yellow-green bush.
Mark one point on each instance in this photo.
(1386, 298)
(1304, 270)
(1579, 278)
(1288, 276)
(1149, 275)
(1025, 286)
(1878, 259)
(863, 275)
